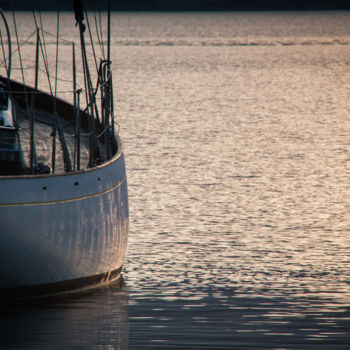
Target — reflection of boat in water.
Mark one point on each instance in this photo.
(65, 218)
(89, 319)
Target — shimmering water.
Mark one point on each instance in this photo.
(237, 137)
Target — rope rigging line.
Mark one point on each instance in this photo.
(58, 92)
(52, 76)
(46, 65)
(101, 31)
(43, 49)
(57, 41)
(26, 40)
(70, 42)
(43, 35)
(21, 44)
(95, 113)
(8, 67)
(19, 50)
(92, 43)
(99, 39)
(3, 49)
(35, 21)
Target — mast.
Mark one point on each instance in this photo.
(108, 103)
(109, 31)
(90, 99)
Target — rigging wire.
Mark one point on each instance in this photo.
(9, 45)
(92, 43)
(19, 50)
(70, 42)
(43, 34)
(99, 39)
(101, 31)
(3, 50)
(43, 52)
(51, 76)
(44, 46)
(57, 42)
(35, 21)
(24, 42)
(46, 65)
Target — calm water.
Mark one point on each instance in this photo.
(237, 138)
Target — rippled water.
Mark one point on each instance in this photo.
(237, 137)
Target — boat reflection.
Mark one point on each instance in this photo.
(88, 319)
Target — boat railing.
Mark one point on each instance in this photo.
(90, 115)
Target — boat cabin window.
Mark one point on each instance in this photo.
(3, 98)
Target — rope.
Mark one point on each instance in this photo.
(9, 45)
(18, 47)
(35, 21)
(47, 137)
(102, 132)
(92, 43)
(98, 36)
(70, 42)
(101, 31)
(43, 35)
(44, 71)
(29, 37)
(66, 41)
(92, 106)
(43, 49)
(57, 41)
(3, 50)
(46, 66)
(58, 92)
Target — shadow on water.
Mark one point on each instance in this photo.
(95, 318)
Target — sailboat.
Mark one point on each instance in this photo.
(64, 201)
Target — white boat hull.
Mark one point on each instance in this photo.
(63, 228)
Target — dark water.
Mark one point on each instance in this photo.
(236, 133)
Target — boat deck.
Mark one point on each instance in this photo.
(43, 122)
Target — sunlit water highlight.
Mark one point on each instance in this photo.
(236, 133)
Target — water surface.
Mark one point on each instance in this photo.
(236, 134)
